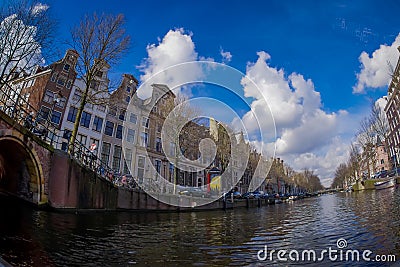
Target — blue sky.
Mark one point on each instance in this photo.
(319, 40)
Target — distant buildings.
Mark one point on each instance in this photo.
(374, 159)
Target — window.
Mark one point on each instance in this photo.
(105, 152)
(85, 120)
(109, 128)
(72, 114)
(158, 144)
(113, 112)
(67, 134)
(382, 161)
(118, 133)
(130, 135)
(61, 81)
(101, 108)
(133, 118)
(69, 83)
(116, 158)
(171, 171)
(48, 97)
(61, 102)
(172, 149)
(159, 127)
(54, 77)
(145, 122)
(56, 117)
(122, 115)
(99, 74)
(94, 85)
(144, 139)
(128, 89)
(44, 113)
(128, 160)
(82, 139)
(71, 58)
(30, 83)
(127, 99)
(77, 97)
(157, 165)
(97, 124)
(140, 168)
(66, 67)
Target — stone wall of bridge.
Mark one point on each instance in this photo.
(26, 162)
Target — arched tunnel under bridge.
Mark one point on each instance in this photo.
(20, 170)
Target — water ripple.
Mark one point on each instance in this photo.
(366, 220)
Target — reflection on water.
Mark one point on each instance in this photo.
(367, 220)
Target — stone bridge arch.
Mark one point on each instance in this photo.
(22, 174)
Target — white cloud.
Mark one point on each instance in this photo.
(226, 55)
(271, 87)
(176, 47)
(307, 136)
(375, 70)
(325, 163)
(295, 106)
(39, 8)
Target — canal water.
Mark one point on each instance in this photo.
(368, 220)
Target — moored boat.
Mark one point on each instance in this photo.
(385, 184)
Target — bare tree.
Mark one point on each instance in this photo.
(100, 41)
(313, 182)
(26, 32)
(354, 160)
(366, 138)
(341, 174)
(224, 145)
(180, 131)
(380, 125)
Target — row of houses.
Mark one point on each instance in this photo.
(392, 110)
(125, 130)
(386, 153)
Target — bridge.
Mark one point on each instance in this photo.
(33, 169)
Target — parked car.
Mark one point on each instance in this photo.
(235, 194)
(258, 194)
(194, 192)
(266, 196)
(394, 172)
(248, 195)
(381, 174)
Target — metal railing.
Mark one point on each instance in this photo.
(18, 108)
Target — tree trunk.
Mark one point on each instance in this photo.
(77, 121)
